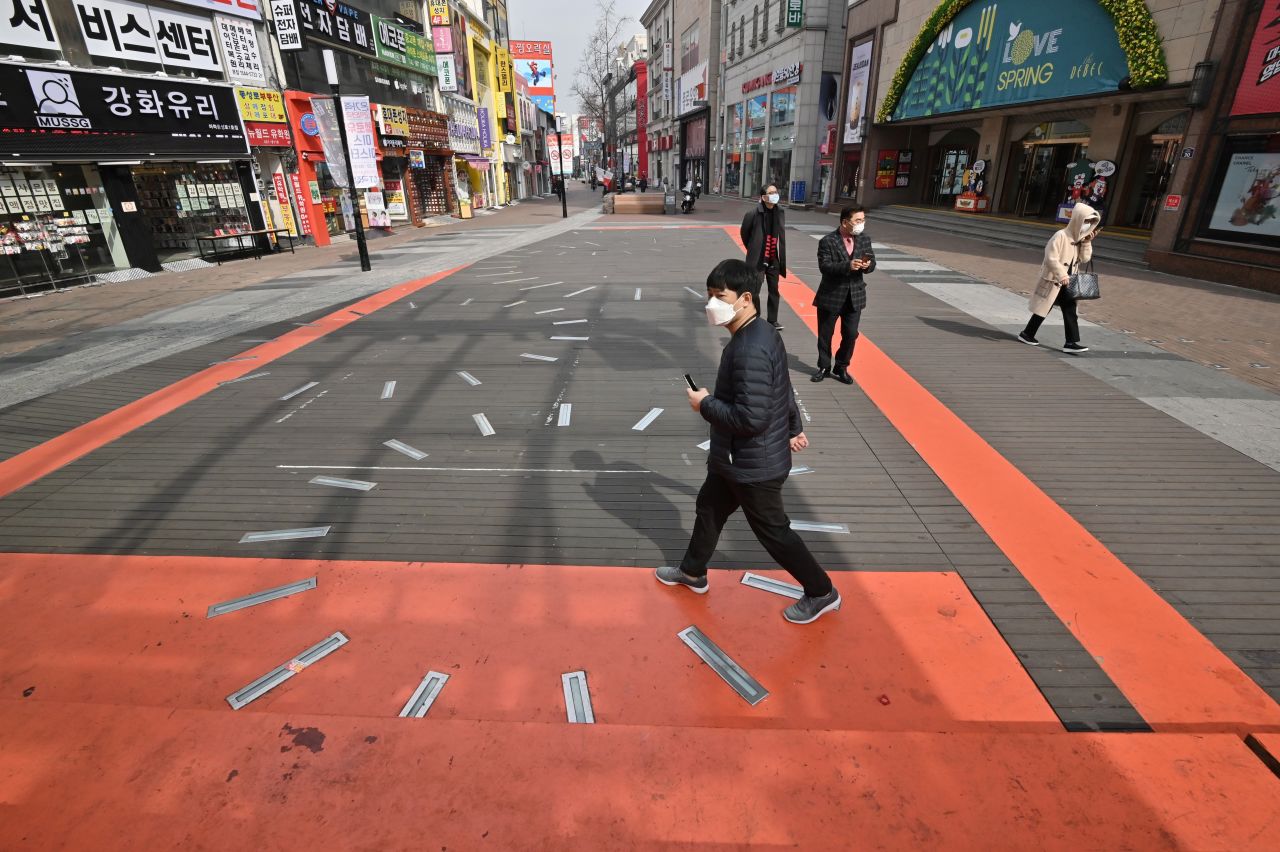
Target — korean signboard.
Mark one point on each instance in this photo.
(240, 50)
(392, 120)
(403, 47)
(442, 39)
(363, 149)
(486, 131)
(692, 87)
(337, 23)
(438, 10)
(795, 13)
(122, 29)
(265, 121)
(503, 62)
(859, 76)
(26, 23)
(242, 8)
(1016, 51)
(53, 112)
(1259, 90)
(533, 62)
(288, 30)
(448, 74)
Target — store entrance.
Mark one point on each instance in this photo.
(183, 201)
(948, 176)
(1041, 176)
(1157, 157)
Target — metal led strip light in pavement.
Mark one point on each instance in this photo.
(577, 698)
(265, 596)
(723, 665)
(424, 696)
(1172, 674)
(281, 673)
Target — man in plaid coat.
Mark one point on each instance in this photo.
(844, 256)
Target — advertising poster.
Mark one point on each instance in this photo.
(326, 120)
(533, 62)
(1013, 52)
(903, 179)
(1248, 204)
(360, 139)
(1259, 90)
(886, 169)
(856, 108)
(240, 50)
(304, 214)
(692, 87)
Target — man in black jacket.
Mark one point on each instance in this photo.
(844, 256)
(764, 234)
(755, 427)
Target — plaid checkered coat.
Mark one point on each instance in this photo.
(839, 283)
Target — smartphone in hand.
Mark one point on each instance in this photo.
(692, 385)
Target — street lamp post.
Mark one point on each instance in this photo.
(331, 72)
(564, 186)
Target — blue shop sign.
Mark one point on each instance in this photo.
(1016, 51)
(309, 125)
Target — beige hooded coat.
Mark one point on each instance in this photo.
(1064, 248)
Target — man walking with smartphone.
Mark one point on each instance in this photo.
(844, 256)
(764, 233)
(755, 427)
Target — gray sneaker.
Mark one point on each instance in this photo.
(809, 609)
(671, 575)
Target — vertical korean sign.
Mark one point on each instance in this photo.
(438, 10)
(360, 143)
(795, 13)
(486, 131)
(288, 31)
(533, 62)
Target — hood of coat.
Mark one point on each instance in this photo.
(1080, 214)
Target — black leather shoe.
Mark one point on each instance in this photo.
(843, 377)
(820, 375)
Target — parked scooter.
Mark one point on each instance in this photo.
(690, 196)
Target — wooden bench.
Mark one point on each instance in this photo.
(637, 202)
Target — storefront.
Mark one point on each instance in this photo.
(392, 123)
(763, 136)
(266, 126)
(1022, 108)
(1218, 205)
(472, 181)
(431, 172)
(693, 149)
(104, 172)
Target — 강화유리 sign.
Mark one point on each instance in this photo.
(403, 47)
(1015, 51)
(337, 23)
(123, 114)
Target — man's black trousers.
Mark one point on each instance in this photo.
(761, 502)
(771, 284)
(849, 320)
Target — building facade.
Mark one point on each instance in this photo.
(659, 22)
(1020, 107)
(694, 39)
(780, 97)
(1218, 216)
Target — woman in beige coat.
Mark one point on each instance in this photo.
(1066, 249)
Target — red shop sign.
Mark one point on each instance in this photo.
(268, 135)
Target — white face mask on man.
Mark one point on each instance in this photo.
(858, 228)
(772, 198)
(721, 313)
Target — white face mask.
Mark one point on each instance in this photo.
(859, 228)
(720, 313)
(1086, 228)
(772, 198)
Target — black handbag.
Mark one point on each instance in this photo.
(1082, 285)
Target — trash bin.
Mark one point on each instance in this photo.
(669, 204)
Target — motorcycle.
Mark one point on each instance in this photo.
(687, 205)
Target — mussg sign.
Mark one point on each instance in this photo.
(1016, 51)
(55, 112)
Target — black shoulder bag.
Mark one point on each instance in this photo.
(1082, 284)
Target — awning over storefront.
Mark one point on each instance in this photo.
(480, 164)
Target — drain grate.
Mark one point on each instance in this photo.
(261, 597)
(765, 584)
(424, 696)
(722, 664)
(280, 674)
(577, 698)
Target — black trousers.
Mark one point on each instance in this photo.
(770, 274)
(1070, 321)
(761, 502)
(849, 319)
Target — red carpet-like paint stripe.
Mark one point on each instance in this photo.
(1175, 677)
(27, 467)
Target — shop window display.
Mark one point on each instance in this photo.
(186, 201)
(753, 149)
(782, 136)
(55, 228)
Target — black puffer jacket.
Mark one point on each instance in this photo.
(752, 410)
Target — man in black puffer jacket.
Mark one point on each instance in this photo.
(755, 426)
